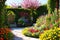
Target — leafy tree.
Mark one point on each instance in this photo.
(51, 5)
(2, 13)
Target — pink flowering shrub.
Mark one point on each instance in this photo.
(30, 4)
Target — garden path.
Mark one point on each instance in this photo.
(19, 35)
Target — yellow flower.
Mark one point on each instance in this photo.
(58, 28)
(50, 34)
(58, 35)
(53, 38)
(32, 34)
(54, 32)
(44, 39)
(50, 39)
(25, 30)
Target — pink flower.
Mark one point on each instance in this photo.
(32, 30)
(30, 4)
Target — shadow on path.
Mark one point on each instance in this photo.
(17, 38)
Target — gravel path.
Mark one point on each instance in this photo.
(19, 35)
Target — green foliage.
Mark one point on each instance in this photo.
(42, 10)
(2, 14)
(10, 14)
(10, 17)
(39, 21)
(21, 21)
(47, 22)
(2, 3)
(51, 5)
(8, 6)
(43, 23)
(49, 18)
(34, 13)
(10, 36)
(17, 12)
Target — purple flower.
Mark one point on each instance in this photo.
(30, 4)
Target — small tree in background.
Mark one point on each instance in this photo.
(51, 5)
(31, 5)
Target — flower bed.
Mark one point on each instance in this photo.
(5, 34)
(52, 34)
(43, 23)
(31, 32)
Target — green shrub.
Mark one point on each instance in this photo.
(48, 20)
